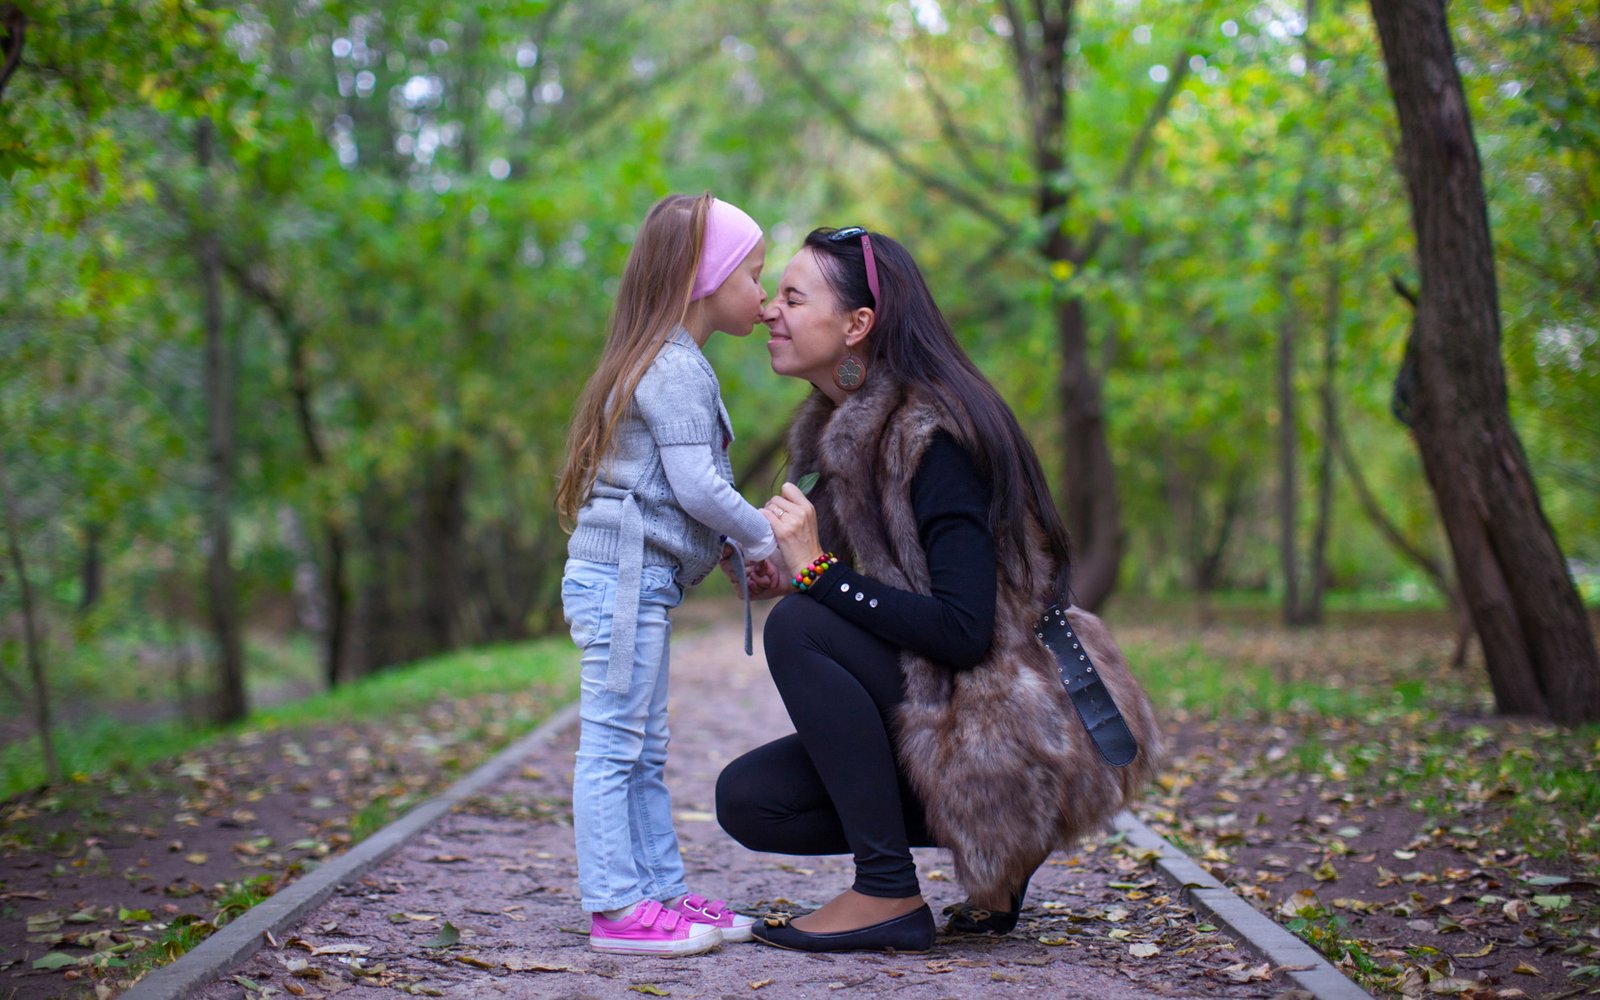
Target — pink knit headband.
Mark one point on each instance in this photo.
(730, 236)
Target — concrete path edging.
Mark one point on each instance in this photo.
(236, 942)
(1260, 933)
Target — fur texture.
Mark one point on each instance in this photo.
(1004, 766)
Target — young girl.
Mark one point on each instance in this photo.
(647, 490)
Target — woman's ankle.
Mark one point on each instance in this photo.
(851, 910)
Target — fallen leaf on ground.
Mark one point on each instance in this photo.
(447, 936)
(1242, 973)
(524, 965)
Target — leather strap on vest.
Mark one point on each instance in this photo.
(1088, 692)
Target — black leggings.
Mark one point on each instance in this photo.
(833, 787)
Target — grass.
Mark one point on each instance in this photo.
(1362, 714)
(102, 744)
(1327, 932)
(1186, 677)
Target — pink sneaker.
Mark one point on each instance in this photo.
(716, 912)
(652, 929)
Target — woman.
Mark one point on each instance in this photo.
(927, 710)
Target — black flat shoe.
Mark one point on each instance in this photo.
(912, 932)
(968, 919)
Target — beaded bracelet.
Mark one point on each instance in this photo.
(808, 576)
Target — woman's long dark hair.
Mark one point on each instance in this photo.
(911, 340)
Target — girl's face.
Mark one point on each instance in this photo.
(810, 332)
(735, 307)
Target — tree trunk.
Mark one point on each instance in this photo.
(1396, 538)
(1288, 423)
(93, 570)
(440, 534)
(13, 31)
(1089, 489)
(336, 666)
(222, 588)
(32, 640)
(1536, 639)
(335, 582)
(1312, 611)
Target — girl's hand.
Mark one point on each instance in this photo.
(765, 581)
(794, 522)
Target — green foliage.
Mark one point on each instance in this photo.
(423, 209)
(93, 747)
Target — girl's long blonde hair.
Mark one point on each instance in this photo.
(652, 301)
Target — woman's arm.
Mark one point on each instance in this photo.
(954, 624)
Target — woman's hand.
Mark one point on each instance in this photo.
(794, 522)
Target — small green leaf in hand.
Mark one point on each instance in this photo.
(807, 481)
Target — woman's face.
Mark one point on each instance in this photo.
(808, 326)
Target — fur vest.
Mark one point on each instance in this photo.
(1003, 765)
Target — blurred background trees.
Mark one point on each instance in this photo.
(295, 295)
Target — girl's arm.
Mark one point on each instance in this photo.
(712, 500)
(677, 399)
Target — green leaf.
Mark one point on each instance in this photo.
(650, 988)
(447, 936)
(807, 481)
(55, 960)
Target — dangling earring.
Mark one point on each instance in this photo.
(850, 374)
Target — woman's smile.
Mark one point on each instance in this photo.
(806, 328)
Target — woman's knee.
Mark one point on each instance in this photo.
(793, 624)
(737, 801)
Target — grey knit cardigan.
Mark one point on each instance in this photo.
(631, 518)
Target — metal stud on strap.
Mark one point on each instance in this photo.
(1096, 708)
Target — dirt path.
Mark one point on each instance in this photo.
(1098, 924)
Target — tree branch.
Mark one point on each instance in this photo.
(1027, 75)
(295, 335)
(1141, 142)
(957, 140)
(835, 107)
(1403, 290)
(16, 29)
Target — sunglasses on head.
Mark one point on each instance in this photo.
(850, 233)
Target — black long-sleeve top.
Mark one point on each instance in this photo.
(955, 623)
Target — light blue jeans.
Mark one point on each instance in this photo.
(621, 811)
